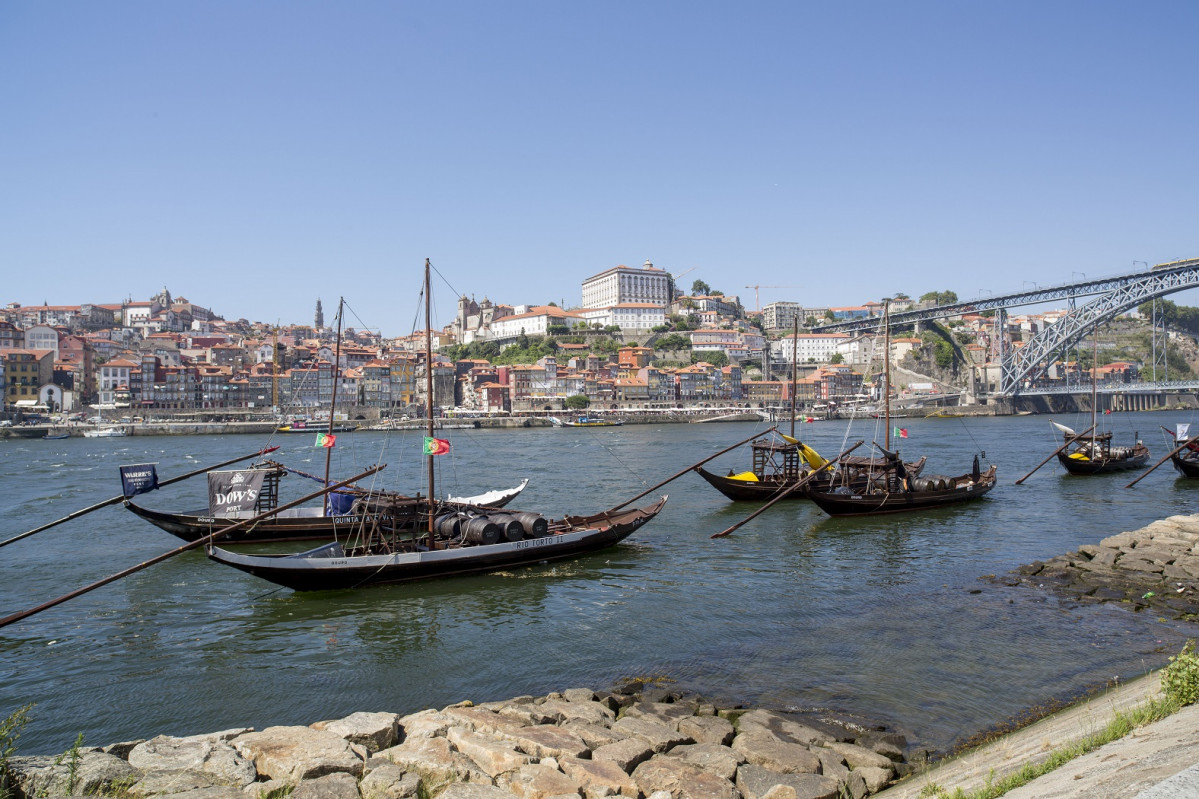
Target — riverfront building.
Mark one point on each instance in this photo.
(623, 284)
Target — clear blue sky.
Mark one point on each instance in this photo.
(254, 156)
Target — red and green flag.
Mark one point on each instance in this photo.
(900, 432)
(436, 446)
(325, 440)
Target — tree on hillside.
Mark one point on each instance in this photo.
(1179, 317)
(836, 357)
(714, 357)
(939, 297)
(699, 288)
(577, 402)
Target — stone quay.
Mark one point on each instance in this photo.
(576, 743)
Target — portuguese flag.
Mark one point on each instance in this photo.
(325, 440)
(436, 446)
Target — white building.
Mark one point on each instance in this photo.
(534, 323)
(112, 375)
(807, 347)
(626, 315)
(623, 284)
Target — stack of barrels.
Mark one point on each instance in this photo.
(490, 528)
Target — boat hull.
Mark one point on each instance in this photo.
(1105, 465)
(295, 524)
(329, 568)
(874, 503)
(1187, 467)
(763, 490)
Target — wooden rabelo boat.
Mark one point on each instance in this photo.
(428, 538)
(893, 488)
(1186, 460)
(307, 523)
(1094, 453)
(779, 463)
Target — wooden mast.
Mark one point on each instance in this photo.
(794, 367)
(429, 397)
(887, 368)
(333, 400)
(1094, 389)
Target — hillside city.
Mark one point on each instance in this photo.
(637, 340)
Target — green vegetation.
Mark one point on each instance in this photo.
(527, 349)
(1180, 679)
(836, 357)
(714, 357)
(577, 402)
(939, 297)
(673, 341)
(699, 288)
(10, 731)
(1178, 317)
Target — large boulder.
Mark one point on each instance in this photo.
(436, 760)
(389, 782)
(331, 786)
(776, 755)
(660, 737)
(204, 754)
(707, 729)
(755, 782)
(293, 754)
(538, 781)
(492, 756)
(682, 779)
(94, 772)
(375, 731)
(599, 778)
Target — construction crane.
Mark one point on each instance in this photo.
(758, 300)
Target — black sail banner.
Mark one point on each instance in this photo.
(229, 492)
(138, 478)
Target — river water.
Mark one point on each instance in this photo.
(885, 617)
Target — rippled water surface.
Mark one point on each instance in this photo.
(871, 616)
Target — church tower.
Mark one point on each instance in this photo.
(320, 315)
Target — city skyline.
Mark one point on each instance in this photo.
(255, 158)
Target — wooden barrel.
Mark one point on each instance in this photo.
(510, 526)
(481, 530)
(534, 523)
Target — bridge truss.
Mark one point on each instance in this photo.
(1020, 367)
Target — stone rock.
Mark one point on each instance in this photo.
(781, 756)
(536, 781)
(160, 783)
(478, 720)
(875, 778)
(199, 753)
(709, 729)
(682, 779)
(593, 735)
(667, 713)
(215, 792)
(547, 740)
(756, 782)
(389, 782)
(95, 772)
(579, 695)
(660, 737)
(781, 727)
(858, 756)
(627, 753)
(425, 724)
(436, 761)
(466, 790)
(375, 731)
(257, 790)
(330, 786)
(122, 749)
(599, 778)
(298, 753)
(490, 755)
(715, 758)
(560, 710)
(832, 764)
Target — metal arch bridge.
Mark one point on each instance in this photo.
(1021, 366)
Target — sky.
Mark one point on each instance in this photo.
(256, 156)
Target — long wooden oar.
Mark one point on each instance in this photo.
(785, 492)
(693, 467)
(7, 620)
(121, 498)
(1069, 441)
(1184, 445)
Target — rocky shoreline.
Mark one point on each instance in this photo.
(577, 743)
(1155, 567)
